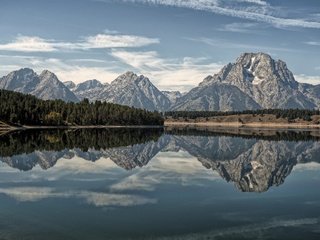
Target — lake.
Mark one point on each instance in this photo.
(123, 183)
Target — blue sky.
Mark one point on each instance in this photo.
(175, 43)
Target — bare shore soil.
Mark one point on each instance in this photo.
(246, 120)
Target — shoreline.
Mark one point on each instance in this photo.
(233, 125)
(242, 125)
(26, 127)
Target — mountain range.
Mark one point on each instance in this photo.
(127, 89)
(254, 81)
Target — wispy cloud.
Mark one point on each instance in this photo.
(186, 72)
(109, 199)
(138, 181)
(313, 43)
(66, 70)
(259, 2)
(76, 72)
(38, 44)
(307, 79)
(28, 194)
(79, 74)
(225, 43)
(261, 11)
(98, 199)
(239, 27)
(117, 41)
(29, 44)
(109, 31)
(88, 60)
(163, 170)
(140, 60)
(311, 166)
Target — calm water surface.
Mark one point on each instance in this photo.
(160, 184)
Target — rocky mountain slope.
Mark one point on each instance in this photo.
(172, 96)
(137, 91)
(128, 89)
(89, 89)
(69, 84)
(45, 86)
(215, 97)
(254, 81)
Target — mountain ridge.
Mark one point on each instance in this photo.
(253, 81)
(269, 83)
(45, 86)
(137, 91)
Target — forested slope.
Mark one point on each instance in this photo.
(24, 109)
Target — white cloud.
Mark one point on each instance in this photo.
(28, 44)
(260, 12)
(310, 166)
(98, 199)
(313, 43)
(78, 165)
(186, 72)
(5, 69)
(37, 44)
(116, 41)
(166, 167)
(79, 74)
(75, 168)
(137, 181)
(108, 31)
(259, 2)
(307, 79)
(76, 71)
(239, 27)
(88, 60)
(146, 60)
(121, 200)
(29, 194)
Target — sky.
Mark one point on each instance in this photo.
(175, 43)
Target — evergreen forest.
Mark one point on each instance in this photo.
(22, 109)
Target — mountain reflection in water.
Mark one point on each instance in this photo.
(254, 160)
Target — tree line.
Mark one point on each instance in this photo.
(22, 109)
(289, 114)
(28, 141)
